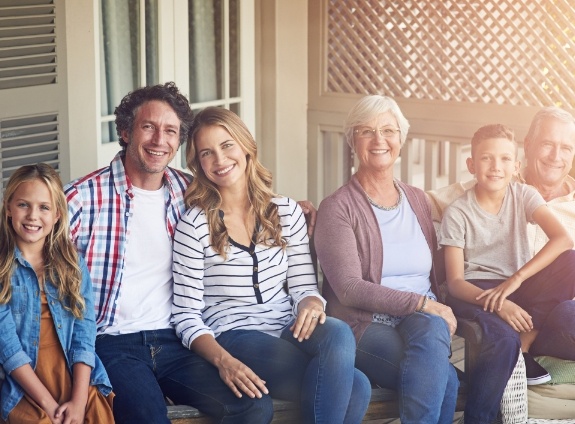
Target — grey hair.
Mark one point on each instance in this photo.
(368, 108)
(549, 112)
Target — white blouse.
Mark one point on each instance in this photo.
(257, 287)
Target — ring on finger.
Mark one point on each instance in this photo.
(314, 316)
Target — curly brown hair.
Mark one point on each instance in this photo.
(168, 93)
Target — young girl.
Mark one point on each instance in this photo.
(46, 310)
(245, 293)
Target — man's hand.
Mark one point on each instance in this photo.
(310, 213)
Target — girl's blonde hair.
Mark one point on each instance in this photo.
(204, 193)
(60, 256)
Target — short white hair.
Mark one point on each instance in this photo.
(549, 112)
(370, 107)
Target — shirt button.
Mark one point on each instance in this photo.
(255, 268)
(256, 286)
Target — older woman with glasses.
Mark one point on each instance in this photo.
(377, 248)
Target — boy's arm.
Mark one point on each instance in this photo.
(559, 242)
(461, 289)
(457, 286)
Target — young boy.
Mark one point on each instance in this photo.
(491, 277)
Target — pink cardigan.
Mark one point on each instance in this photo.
(350, 252)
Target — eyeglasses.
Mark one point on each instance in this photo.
(369, 133)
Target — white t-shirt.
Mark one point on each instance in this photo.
(145, 300)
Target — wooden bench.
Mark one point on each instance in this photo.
(383, 404)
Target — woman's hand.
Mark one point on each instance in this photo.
(444, 311)
(514, 315)
(310, 314)
(310, 213)
(240, 378)
(495, 297)
(71, 412)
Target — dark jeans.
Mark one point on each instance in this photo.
(546, 296)
(146, 366)
(413, 359)
(318, 373)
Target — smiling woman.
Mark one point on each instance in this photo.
(403, 334)
(245, 293)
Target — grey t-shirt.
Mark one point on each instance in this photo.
(494, 246)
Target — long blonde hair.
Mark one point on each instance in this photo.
(60, 255)
(204, 193)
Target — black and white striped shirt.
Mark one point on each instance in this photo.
(257, 287)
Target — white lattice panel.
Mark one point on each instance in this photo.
(513, 52)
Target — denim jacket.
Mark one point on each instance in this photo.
(20, 324)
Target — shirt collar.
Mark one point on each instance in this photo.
(20, 257)
(122, 182)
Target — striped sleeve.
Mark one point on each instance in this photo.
(301, 277)
(188, 269)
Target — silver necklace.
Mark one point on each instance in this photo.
(387, 208)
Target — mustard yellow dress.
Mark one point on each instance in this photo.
(53, 372)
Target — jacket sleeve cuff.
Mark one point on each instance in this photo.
(16, 361)
(83, 356)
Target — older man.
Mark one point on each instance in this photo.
(549, 150)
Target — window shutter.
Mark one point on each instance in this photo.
(28, 140)
(27, 43)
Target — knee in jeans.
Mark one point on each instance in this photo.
(339, 332)
(562, 317)
(265, 411)
(435, 327)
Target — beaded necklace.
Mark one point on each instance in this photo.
(387, 208)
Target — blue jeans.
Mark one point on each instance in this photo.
(557, 335)
(546, 297)
(413, 359)
(318, 372)
(146, 366)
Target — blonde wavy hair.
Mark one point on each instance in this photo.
(60, 256)
(205, 194)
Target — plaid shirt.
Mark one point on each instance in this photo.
(99, 207)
